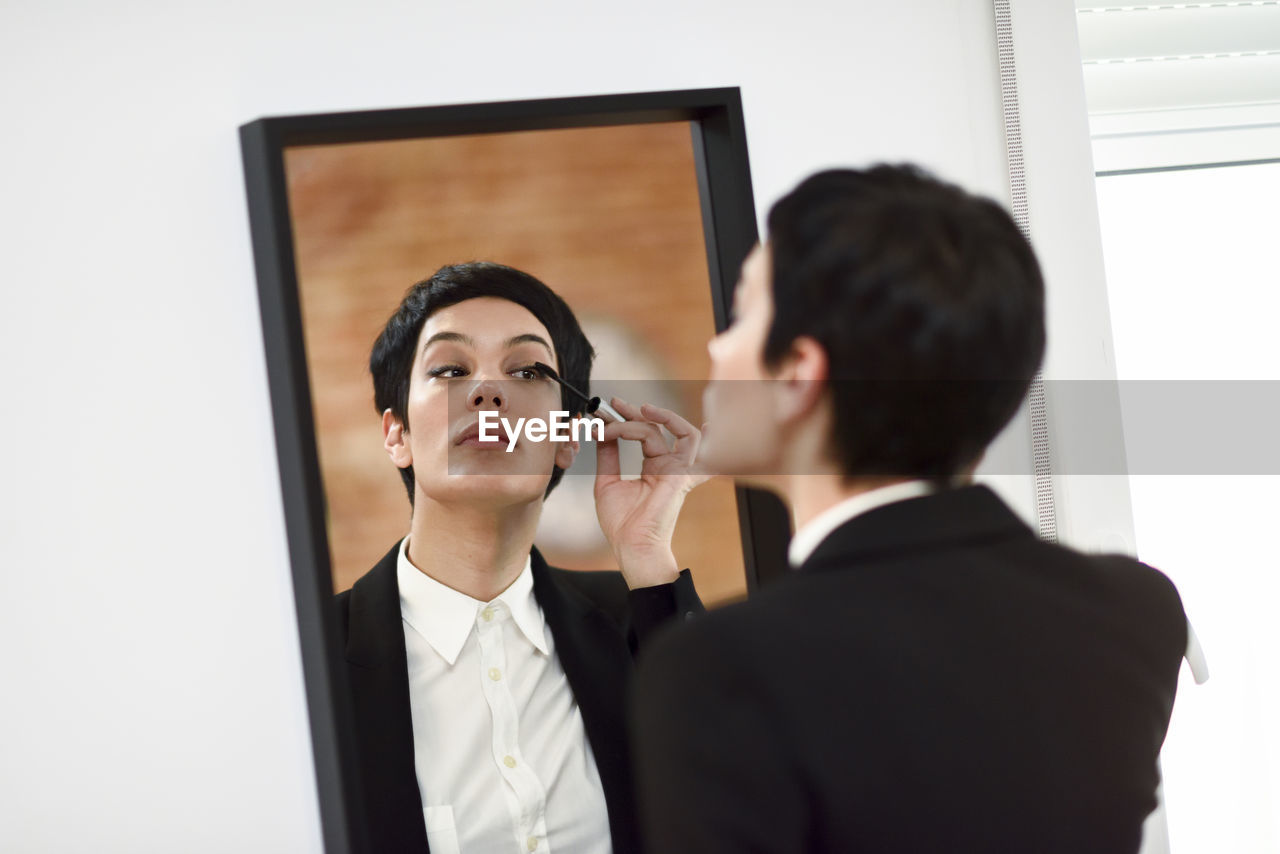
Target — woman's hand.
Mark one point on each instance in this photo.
(639, 516)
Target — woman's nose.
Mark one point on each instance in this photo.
(487, 394)
(714, 345)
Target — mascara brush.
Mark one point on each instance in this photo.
(593, 403)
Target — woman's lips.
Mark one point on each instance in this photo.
(474, 442)
(470, 438)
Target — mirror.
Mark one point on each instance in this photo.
(636, 209)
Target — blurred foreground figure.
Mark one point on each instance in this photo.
(932, 677)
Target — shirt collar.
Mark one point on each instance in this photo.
(445, 617)
(817, 529)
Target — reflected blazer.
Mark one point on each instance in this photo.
(597, 625)
(934, 678)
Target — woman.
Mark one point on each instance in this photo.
(489, 687)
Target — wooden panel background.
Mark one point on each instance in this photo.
(608, 217)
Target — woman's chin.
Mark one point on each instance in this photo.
(499, 489)
(470, 460)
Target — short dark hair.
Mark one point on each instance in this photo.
(929, 304)
(391, 361)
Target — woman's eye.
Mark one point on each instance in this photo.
(447, 371)
(528, 372)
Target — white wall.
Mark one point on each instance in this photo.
(153, 698)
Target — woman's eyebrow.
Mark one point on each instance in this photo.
(530, 338)
(515, 341)
(449, 336)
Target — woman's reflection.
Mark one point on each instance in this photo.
(488, 686)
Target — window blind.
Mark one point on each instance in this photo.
(1181, 83)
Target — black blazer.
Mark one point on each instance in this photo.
(935, 678)
(597, 625)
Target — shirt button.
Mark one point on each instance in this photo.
(532, 843)
(495, 674)
(509, 761)
(487, 614)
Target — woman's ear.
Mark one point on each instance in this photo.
(801, 379)
(394, 440)
(567, 452)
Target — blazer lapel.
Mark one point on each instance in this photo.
(597, 662)
(379, 679)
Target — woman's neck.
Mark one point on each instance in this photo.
(478, 551)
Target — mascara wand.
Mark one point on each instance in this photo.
(593, 403)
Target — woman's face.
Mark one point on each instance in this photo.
(477, 356)
(741, 436)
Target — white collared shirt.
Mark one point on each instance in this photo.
(817, 529)
(502, 757)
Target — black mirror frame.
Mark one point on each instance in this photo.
(729, 225)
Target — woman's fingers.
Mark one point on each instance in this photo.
(648, 435)
(645, 425)
(687, 436)
(636, 428)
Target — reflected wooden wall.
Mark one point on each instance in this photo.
(608, 217)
